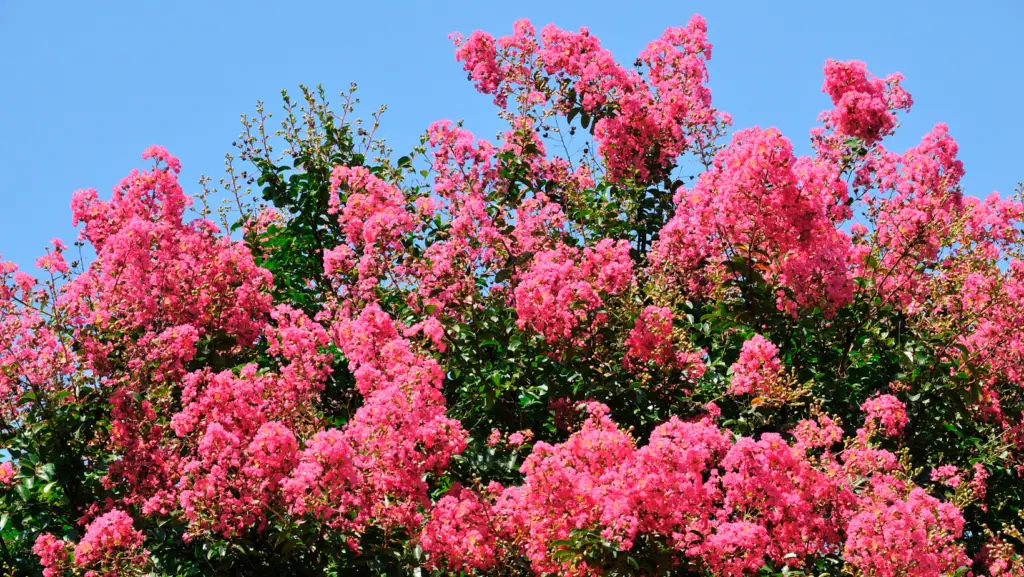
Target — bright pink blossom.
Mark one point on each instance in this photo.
(111, 545)
(54, 555)
(885, 414)
(915, 537)
(562, 292)
(760, 203)
(7, 473)
(864, 104)
(757, 368)
(459, 534)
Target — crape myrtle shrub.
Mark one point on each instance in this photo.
(622, 338)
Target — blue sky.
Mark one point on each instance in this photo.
(88, 85)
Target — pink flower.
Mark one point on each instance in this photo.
(54, 555)
(494, 438)
(561, 293)
(736, 549)
(757, 367)
(818, 433)
(7, 473)
(979, 482)
(219, 413)
(948, 475)
(884, 414)
(655, 119)
(777, 212)
(713, 410)
(915, 537)
(324, 481)
(111, 545)
(650, 343)
(519, 438)
(459, 535)
(864, 103)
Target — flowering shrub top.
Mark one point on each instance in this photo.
(511, 358)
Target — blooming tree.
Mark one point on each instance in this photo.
(621, 339)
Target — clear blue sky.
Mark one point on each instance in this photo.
(86, 86)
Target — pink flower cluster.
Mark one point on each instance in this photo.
(374, 469)
(884, 414)
(34, 354)
(239, 429)
(640, 125)
(817, 433)
(246, 442)
(948, 475)
(760, 203)
(864, 104)
(154, 271)
(471, 244)
(913, 537)
(1000, 558)
(917, 207)
(758, 368)
(54, 554)
(323, 482)
(111, 547)
(226, 448)
(157, 286)
(459, 534)
(7, 473)
(374, 218)
(728, 506)
(561, 295)
(650, 341)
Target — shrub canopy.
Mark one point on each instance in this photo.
(622, 339)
